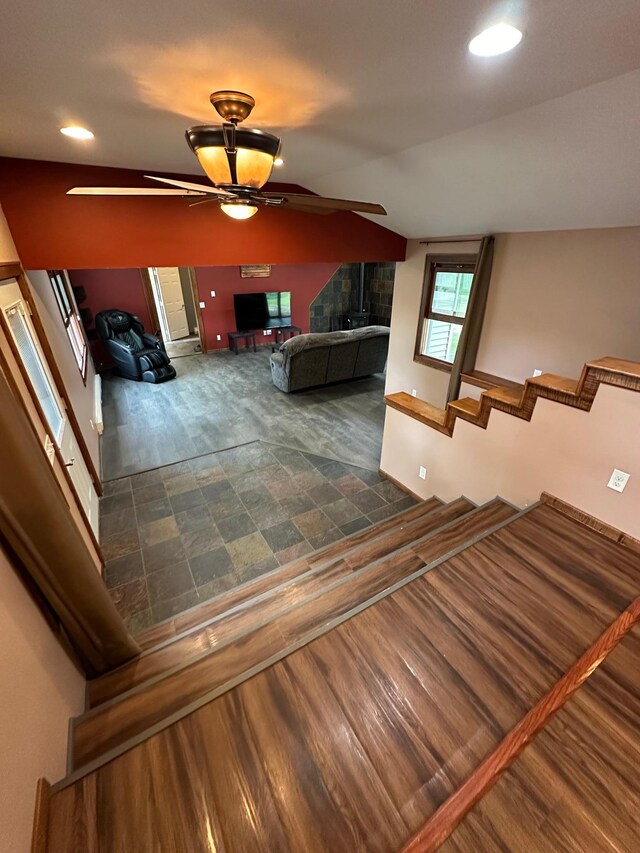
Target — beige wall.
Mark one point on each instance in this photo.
(8, 251)
(403, 374)
(560, 298)
(564, 451)
(82, 396)
(40, 690)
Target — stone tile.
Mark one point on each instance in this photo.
(168, 472)
(334, 470)
(158, 531)
(116, 487)
(371, 478)
(312, 523)
(256, 496)
(404, 503)
(211, 565)
(226, 506)
(249, 551)
(383, 512)
(232, 467)
(358, 523)
(342, 511)
(186, 500)
(130, 597)
(147, 478)
(163, 554)
(181, 483)
(153, 511)
(215, 491)
(324, 494)
(120, 544)
(121, 501)
(266, 515)
(166, 609)
(204, 463)
(169, 582)
(124, 569)
(316, 461)
(236, 526)
(367, 500)
(217, 586)
(294, 552)
(272, 473)
(146, 494)
(284, 488)
(207, 476)
(194, 518)
(286, 455)
(264, 460)
(309, 479)
(297, 504)
(199, 541)
(297, 465)
(140, 621)
(349, 484)
(282, 536)
(326, 538)
(389, 492)
(244, 482)
(117, 522)
(254, 570)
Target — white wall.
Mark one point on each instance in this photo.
(81, 395)
(40, 690)
(8, 251)
(564, 451)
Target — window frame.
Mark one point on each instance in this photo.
(71, 321)
(433, 265)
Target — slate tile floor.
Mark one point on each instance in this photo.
(175, 536)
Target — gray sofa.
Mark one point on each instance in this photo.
(307, 361)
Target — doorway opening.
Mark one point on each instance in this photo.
(177, 310)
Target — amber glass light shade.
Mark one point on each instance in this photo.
(253, 159)
(239, 211)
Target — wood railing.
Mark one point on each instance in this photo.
(521, 403)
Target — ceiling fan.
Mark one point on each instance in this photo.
(238, 161)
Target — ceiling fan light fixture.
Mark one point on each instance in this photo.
(239, 210)
(76, 132)
(495, 40)
(250, 165)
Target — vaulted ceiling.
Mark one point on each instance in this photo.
(374, 99)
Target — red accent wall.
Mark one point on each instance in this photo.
(304, 281)
(53, 230)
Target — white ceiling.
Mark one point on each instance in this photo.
(378, 100)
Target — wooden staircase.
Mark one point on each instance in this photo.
(341, 701)
(200, 655)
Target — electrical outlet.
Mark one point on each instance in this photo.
(537, 372)
(213, 293)
(422, 473)
(414, 392)
(267, 332)
(218, 337)
(201, 304)
(618, 480)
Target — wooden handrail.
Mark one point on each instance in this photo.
(521, 403)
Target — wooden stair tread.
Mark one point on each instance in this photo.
(228, 627)
(241, 595)
(520, 400)
(138, 714)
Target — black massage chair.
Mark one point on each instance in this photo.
(136, 354)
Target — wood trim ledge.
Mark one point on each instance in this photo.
(40, 830)
(590, 521)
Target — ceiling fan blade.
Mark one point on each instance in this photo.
(305, 208)
(200, 188)
(129, 191)
(333, 204)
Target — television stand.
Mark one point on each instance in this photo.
(249, 339)
(283, 333)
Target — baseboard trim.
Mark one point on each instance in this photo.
(41, 817)
(590, 521)
(399, 485)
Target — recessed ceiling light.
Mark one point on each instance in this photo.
(77, 132)
(278, 161)
(497, 39)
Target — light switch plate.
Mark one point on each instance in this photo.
(537, 372)
(422, 473)
(618, 480)
(218, 337)
(414, 393)
(213, 293)
(201, 304)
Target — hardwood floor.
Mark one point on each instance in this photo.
(351, 742)
(220, 400)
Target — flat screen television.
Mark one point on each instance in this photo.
(262, 310)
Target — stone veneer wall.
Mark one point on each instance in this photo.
(340, 295)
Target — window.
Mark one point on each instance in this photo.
(70, 318)
(279, 305)
(445, 300)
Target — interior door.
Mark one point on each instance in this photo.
(173, 302)
(52, 405)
